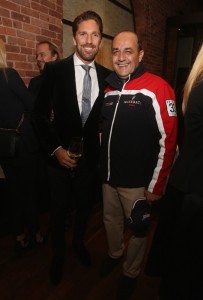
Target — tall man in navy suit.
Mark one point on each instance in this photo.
(61, 92)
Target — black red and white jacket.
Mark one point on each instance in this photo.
(139, 131)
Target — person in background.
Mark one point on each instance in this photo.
(138, 143)
(45, 52)
(176, 250)
(64, 93)
(16, 105)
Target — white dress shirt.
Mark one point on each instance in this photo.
(79, 76)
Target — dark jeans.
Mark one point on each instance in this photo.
(67, 194)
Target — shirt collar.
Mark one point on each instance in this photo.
(79, 62)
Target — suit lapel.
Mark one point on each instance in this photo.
(70, 85)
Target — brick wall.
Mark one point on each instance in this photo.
(25, 22)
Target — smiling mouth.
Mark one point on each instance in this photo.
(88, 47)
(122, 65)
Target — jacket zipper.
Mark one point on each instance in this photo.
(110, 134)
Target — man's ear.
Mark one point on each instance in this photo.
(141, 54)
(74, 41)
(100, 45)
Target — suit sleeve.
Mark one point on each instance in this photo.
(166, 117)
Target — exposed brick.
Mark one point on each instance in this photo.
(30, 44)
(7, 31)
(24, 3)
(10, 6)
(30, 12)
(4, 12)
(7, 22)
(26, 35)
(48, 18)
(12, 48)
(39, 7)
(22, 42)
(39, 23)
(48, 33)
(20, 17)
(26, 50)
(23, 65)
(31, 28)
(16, 41)
(3, 38)
(16, 57)
(56, 14)
(60, 3)
(32, 73)
(17, 24)
(54, 28)
(49, 4)
(21, 72)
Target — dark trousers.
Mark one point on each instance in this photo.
(177, 246)
(21, 182)
(70, 193)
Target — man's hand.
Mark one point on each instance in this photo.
(152, 197)
(64, 159)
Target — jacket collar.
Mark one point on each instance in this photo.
(117, 83)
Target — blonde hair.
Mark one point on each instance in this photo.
(3, 63)
(194, 78)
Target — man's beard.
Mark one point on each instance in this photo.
(85, 57)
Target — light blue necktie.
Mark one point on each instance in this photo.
(86, 94)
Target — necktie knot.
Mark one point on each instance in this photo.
(86, 68)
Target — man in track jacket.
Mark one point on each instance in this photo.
(138, 143)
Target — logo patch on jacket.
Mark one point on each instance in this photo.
(108, 103)
(132, 102)
(171, 108)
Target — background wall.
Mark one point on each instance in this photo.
(25, 22)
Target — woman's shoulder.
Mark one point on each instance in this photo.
(11, 71)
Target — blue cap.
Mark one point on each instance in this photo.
(139, 219)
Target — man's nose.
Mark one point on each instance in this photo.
(89, 39)
(121, 56)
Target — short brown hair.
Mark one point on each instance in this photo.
(87, 15)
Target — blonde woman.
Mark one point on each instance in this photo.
(20, 171)
(177, 246)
